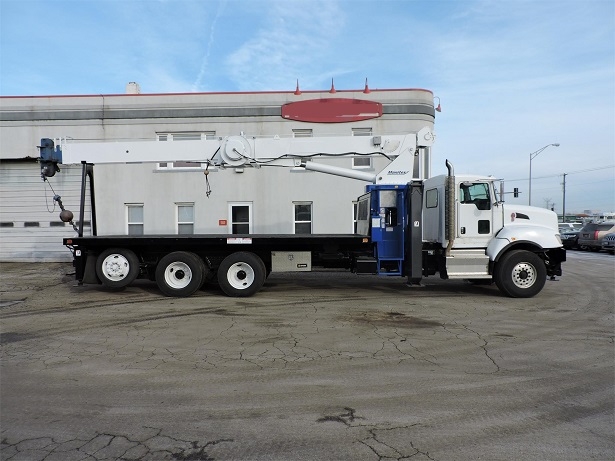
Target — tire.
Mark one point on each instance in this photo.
(241, 274)
(117, 267)
(210, 280)
(520, 274)
(180, 274)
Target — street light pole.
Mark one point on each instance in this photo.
(533, 155)
(564, 200)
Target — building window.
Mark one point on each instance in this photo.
(303, 217)
(302, 133)
(367, 131)
(364, 161)
(185, 218)
(134, 218)
(240, 218)
(183, 136)
(179, 165)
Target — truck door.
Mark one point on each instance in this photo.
(475, 214)
(388, 221)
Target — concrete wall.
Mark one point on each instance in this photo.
(271, 191)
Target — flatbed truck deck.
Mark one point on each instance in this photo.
(239, 262)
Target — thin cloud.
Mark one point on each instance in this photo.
(210, 43)
(294, 42)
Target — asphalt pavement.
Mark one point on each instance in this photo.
(316, 366)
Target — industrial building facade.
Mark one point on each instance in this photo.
(175, 197)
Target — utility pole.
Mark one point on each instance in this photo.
(564, 200)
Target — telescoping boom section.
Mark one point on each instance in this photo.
(408, 154)
(409, 224)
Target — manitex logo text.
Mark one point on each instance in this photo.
(397, 172)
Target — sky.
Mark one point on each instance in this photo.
(512, 76)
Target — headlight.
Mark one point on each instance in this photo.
(559, 239)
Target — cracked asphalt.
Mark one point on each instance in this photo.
(316, 366)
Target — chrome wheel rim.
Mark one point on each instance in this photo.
(524, 275)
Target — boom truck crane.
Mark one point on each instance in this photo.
(408, 223)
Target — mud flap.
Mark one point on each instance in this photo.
(553, 260)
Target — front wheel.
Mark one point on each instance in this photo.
(241, 274)
(520, 274)
(180, 274)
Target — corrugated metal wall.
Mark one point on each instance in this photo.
(30, 227)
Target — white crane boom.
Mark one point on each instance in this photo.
(406, 163)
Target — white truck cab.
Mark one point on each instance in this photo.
(463, 215)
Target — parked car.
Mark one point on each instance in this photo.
(569, 238)
(590, 237)
(608, 243)
(564, 226)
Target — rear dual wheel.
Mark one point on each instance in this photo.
(180, 274)
(241, 274)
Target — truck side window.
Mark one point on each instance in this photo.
(475, 193)
(431, 198)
